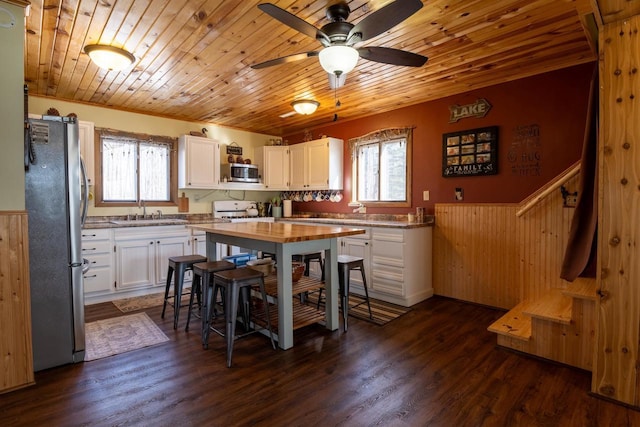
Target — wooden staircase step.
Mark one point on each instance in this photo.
(554, 307)
(582, 288)
(513, 324)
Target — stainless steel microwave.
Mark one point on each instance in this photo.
(240, 172)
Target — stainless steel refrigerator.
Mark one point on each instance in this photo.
(56, 206)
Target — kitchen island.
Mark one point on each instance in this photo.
(285, 240)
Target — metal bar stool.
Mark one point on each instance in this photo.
(203, 276)
(234, 282)
(307, 258)
(347, 263)
(180, 265)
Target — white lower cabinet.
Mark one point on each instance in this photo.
(97, 248)
(142, 254)
(401, 264)
(397, 263)
(198, 243)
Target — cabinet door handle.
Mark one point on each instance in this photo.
(366, 243)
(89, 249)
(89, 277)
(158, 242)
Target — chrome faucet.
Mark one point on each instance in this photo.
(144, 208)
(360, 209)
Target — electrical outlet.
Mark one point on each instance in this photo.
(459, 194)
(425, 195)
(570, 201)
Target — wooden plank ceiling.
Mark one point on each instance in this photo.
(193, 57)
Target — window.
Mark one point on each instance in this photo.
(135, 168)
(382, 168)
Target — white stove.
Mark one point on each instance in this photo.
(238, 211)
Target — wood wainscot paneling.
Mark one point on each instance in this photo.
(510, 256)
(16, 363)
(487, 254)
(475, 253)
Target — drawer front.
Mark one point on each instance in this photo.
(388, 235)
(100, 260)
(94, 247)
(389, 280)
(97, 279)
(387, 253)
(96, 234)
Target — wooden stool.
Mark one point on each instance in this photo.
(179, 264)
(202, 276)
(234, 282)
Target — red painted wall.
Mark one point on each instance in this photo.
(556, 102)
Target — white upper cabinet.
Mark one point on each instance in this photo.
(198, 162)
(273, 161)
(86, 136)
(316, 165)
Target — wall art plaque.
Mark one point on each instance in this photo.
(470, 152)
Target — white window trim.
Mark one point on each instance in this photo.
(377, 137)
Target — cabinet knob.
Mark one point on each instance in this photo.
(151, 243)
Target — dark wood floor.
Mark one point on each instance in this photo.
(435, 366)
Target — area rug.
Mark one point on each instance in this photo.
(382, 311)
(121, 334)
(127, 305)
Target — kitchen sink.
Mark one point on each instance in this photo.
(158, 221)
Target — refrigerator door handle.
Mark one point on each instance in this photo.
(85, 193)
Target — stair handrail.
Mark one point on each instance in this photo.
(549, 188)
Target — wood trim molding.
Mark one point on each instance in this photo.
(21, 3)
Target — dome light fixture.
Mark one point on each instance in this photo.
(339, 59)
(109, 57)
(305, 106)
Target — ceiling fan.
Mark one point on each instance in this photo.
(338, 37)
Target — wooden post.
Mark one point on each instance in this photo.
(615, 368)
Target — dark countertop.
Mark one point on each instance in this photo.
(94, 222)
(365, 221)
(388, 221)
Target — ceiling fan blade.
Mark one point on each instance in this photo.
(284, 60)
(293, 21)
(387, 55)
(335, 81)
(384, 19)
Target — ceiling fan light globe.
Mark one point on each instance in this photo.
(338, 59)
(305, 106)
(109, 57)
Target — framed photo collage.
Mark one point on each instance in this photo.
(470, 152)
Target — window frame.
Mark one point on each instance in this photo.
(140, 138)
(379, 137)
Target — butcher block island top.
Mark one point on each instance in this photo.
(278, 232)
